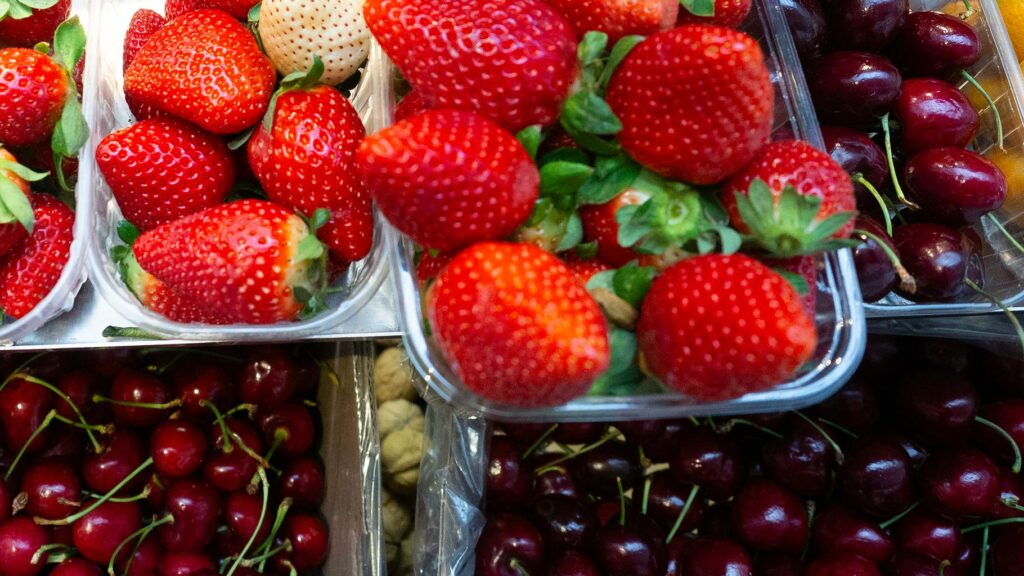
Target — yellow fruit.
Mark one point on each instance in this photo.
(994, 84)
(1012, 165)
(1013, 16)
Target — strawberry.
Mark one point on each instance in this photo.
(38, 26)
(252, 261)
(618, 18)
(161, 170)
(696, 103)
(449, 179)
(158, 297)
(717, 327)
(237, 8)
(793, 198)
(584, 268)
(728, 13)
(806, 269)
(294, 30)
(15, 201)
(33, 92)
(33, 268)
(410, 106)
(429, 265)
(600, 225)
(143, 25)
(511, 61)
(516, 325)
(204, 67)
(307, 160)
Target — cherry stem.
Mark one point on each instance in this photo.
(139, 534)
(282, 510)
(899, 516)
(285, 547)
(225, 432)
(995, 109)
(144, 405)
(543, 437)
(907, 282)
(45, 550)
(840, 458)
(1002, 432)
(892, 166)
(1002, 229)
(21, 367)
(125, 499)
(67, 400)
(250, 452)
(106, 497)
(515, 565)
(682, 513)
(101, 428)
(886, 218)
(248, 408)
(622, 501)
(984, 551)
(839, 427)
(942, 567)
(263, 513)
(604, 440)
(32, 437)
(999, 303)
(647, 495)
(993, 524)
(745, 422)
(969, 12)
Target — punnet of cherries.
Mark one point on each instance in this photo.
(912, 469)
(161, 462)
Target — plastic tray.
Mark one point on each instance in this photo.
(62, 298)
(839, 318)
(107, 111)
(999, 71)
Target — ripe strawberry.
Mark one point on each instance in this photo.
(618, 18)
(294, 30)
(158, 297)
(806, 268)
(251, 260)
(729, 13)
(511, 61)
(600, 225)
(237, 8)
(14, 197)
(307, 161)
(33, 90)
(823, 203)
(204, 67)
(143, 25)
(428, 266)
(516, 325)
(717, 327)
(449, 179)
(161, 170)
(584, 268)
(411, 105)
(39, 27)
(695, 102)
(33, 268)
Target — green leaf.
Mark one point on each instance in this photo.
(634, 223)
(39, 4)
(19, 11)
(530, 138)
(254, 13)
(602, 280)
(592, 47)
(587, 250)
(761, 198)
(588, 113)
(298, 80)
(5, 8)
(127, 232)
(242, 139)
(830, 226)
(22, 172)
(72, 131)
(119, 254)
(622, 376)
(705, 8)
(574, 155)
(573, 234)
(619, 52)
(560, 181)
(69, 43)
(631, 282)
(310, 248)
(789, 210)
(798, 282)
(731, 240)
(321, 216)
(15, 206)
(612, 175)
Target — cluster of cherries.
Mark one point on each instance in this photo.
(166, 463)
(882, 79)
(911, 470)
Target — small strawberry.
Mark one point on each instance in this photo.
(204, 67)
(252, 261)
(161, 170)
(293, 31)
(513, 61)
(39, 25)
(618, 18)
(16, 218)
(33, 268)
(143, 25)
(728, 13)
(33, 92)
(802, 272)
(793, 199)
(717, 327)
(696, 103)
(449, 179)
(411, 105)
(237, 8)
(516, 325)
(584, 268)
(429, 265)
(158, 297)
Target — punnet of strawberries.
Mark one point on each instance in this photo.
(597, 199)
(41, 131)
(237, 181)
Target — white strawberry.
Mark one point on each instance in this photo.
(294, 30)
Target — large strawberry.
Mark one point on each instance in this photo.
(793, 199)
(143, 25)
(517, 326)
(26, 29)
(16, 218)
(252, 261)
(717, 327)
(293, 31)
(237, 8)
(204, 67)
(695, 102)
(729, 13)
(306, 160)
(512, 61)
(618, 18)
(160, 170)
(449, 179)
(33, 268)
(33, 92)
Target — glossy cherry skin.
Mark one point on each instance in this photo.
(178, 448)
(933, 44)
(875, 270)
(574, 563)
(563, 523)
(864, 24)
(24, 406)
(955, 186)
(711, 461)
(715, 557)
(139, 387)
(665, 501)
(858, 154)
(553, 480)
(960, 484)
(122, 454)
(807, 25)
(839, 529)
(596, 471)
(801, 461)
(934, 114)
(202, 380)
(911, 564)
(854, 407)
(234, 470)
(5, 500)
(842, 564)
(507, 480)
(937, 407)
(302, 480)
(641, 432)
(98, 534)
(53, 490)
(507, 537)
(661, 449)
(625, 551)
(854, 89)
(77, 566)
(310, 541)
(291, 426)
(242, 517)
(579, 432)
(877, 477)
(768, 518)
(145, 561)
(924, 532)
(1008, 415)
(937, 259)
(80, 386)
(269, 377)
(20, 538)
(185, 564)
(196, 507)
(1011, 491)
(974, 248)
(777, 565)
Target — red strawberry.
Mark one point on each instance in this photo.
(143, 25)
(618, 18)
(729, 13)
(449, 179)
(806, 267)
(410, 106)
(308, 161)
(511, 61)
(204, 67)
(695, 102)
(13, 189)
(600, 225)
(33, 89)
(816, 178)
(156, 296)
(39, 27)
(237, 8)
(517, 326)
(429, 266)
(584, 268)
(717, 327)
(160, 170)
(250, 260)
(32, 270)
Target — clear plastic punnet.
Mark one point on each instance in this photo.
(839, 315)
(107, 111)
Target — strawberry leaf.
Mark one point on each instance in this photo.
(310, 248)
(298, 80)
(561, 181)
(622, 376)
(587, 250)
(792, 226)
(530, 137)
(619, 52)
(18, 11)
(321, 216)
(71, 131)
(633, 223)
(589, 53)
(128, 232)
(5, 8)
(632, 282)
(38, 4)
(590, 142)
(242, 139)
(564, 155)
(254, 13)
(611, 176)
(69, 43)
(705, 8)
(588, 113)
(602, 280)
(22, 172)
(15, 206)
(797, 281)
(573, 234)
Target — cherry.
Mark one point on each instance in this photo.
(933, 44)
(53, 490)
(507, 482)
(607, 510)
(597, 470)
(960, 484)
(302, 480)
(579, 432)
(552, 479)
(242, 517)
(186, 564)
(936, 257)
(665, 501)
(777, 565)
(1008, 552)
(917, 453)
(5, 500)
(911, 564)
(25, 406)
(20, 538)
(854, 89)
(662, 447)
(938, 407)
(641, 432)
(77, 566)
(195, 506)
(875, 268)
(711, 461)
(933, 114)
(145, 560)
(876, 477)
(840, 530)
(627, 551)
(122, 454)
(858, 154)
(674, 551)
(68, 448)
(131, 389)
(1011, 491)
(718, 521)
(923, 532)
(201, 381)
(855, 406)
(289, 427)
(955, 186)
(234, 470)
(524, 434)
(269, 377)
(842, 564)
(768, 518)
(98, 534)
(563, 523)
(801, 461)
(864, 24)
(948, 355)
(573, 563)
(807, 25)
(80, 386)
(715, 557)
(508, 542)
(178, 448)
(974, 248)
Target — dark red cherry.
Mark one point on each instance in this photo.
(960, 484)
(269, 377)
(641, 432)
(937, 259)
(1008, 551)
(807, 25)
(230, 471)
(923, 532)
(302, 480)
(139, 387)
(552, 479)
(178, 448)
(596, 471)
(937, 407)
(186, 564)
(579, 432)
(77, 566)
(122, 454)
(627, 551)
(68, 447)
(98, 534)
(563, 523)
(933, 114)
(665, 501)
(853, 89)
(777, 565)
(201, 380)
(877, 477)
(858, 154)
(524, 434)
(5, 500)
(911, 564)
(955, 186)
(1011, 491)
(801, 461)
(290, 427)
(711, 461)
(917, 453)
(855, 406)
(507, 480)
(661, 448)
(53, 490)
(196, 507)
(841, 564)
(144, 561)
(20, 539)
(242, 517)
(508, 542)
(768, 518)
(715, 557)
(25, 406)
(875, 269)
(933, 44)
(839, 529)
(1008, 415)
(80, 386)
(573, 563)
(864, 24)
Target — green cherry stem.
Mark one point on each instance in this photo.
(97, 447)
(106, 497)
(999, 303)
(839, 427)
(604, 440)
(899, 516)
(984, 551)
(282, 510)
(250, 562)
(682, 513)
(1002, 230)
(21, 367)
(225, 432)
(991, 103)
(647, 495)
(886, 218)
(543, 437)
(142, 405)
(1002, 432)
(892, 166)
(139, 534)
(754, 425)
(259, 524)
(32, 437)
(622, 501)
(840, 458)
(44, 551)
(907, 282)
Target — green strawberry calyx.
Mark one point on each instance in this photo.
(301, 80)
(72, 130)
(21, 9)
(703, 8)
(314, 290)
(14, 204)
